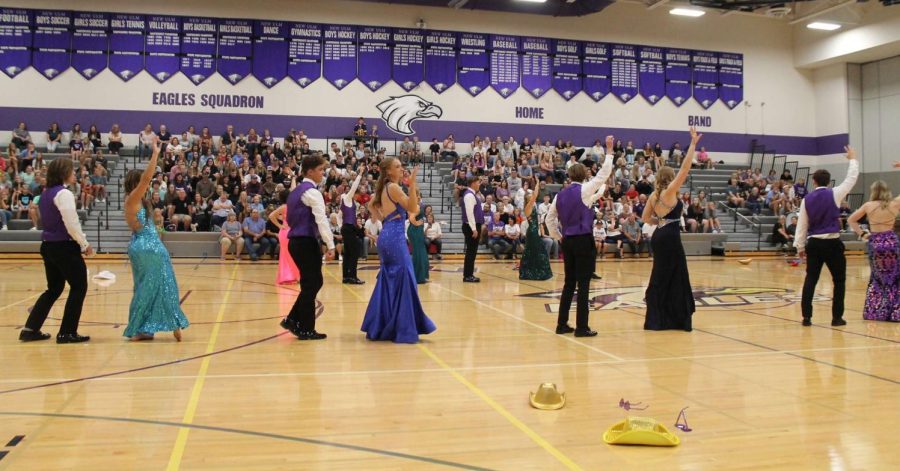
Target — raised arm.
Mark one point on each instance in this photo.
(348, 196)
(137, 195)
(529, 206)
(685, 164)
(841, 191)
(595, 184)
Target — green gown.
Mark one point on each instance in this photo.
(416, 236)
(535, 263)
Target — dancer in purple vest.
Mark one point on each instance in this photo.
(472, 218)
(351, 233)
(571, 209)
(818, 238)
(62, 248)
(309, 225)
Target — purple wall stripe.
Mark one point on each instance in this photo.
(320, 127)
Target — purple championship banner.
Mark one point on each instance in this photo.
(505, 64)
(651, 73)
(678, 75)
(567, 68)
(473, 63)
(408, 65)
(235, 56)
(374, 56)
(705, 77)
(126, 45)
(440, 60)
(90, 43)
(15, 40)
(537, 74)
(163, 46)
(731, 79)
(624, 72)
(339, 62)
(270, 51)
(198, 48)
(305, 53)
(52, 42)
(597, 70)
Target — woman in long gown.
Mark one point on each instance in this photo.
(395, 312)
(288, 273)
(535, 264)
(883, 293)
(669, 297)
(416, 234)
(155, 306)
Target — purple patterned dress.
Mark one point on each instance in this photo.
(883, 294)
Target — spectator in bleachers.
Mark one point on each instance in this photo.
(754, 201)
(694, 217)
(94, 138)
(98, 182)
(254, 228)
(703, 160)
(114, 139)
(711, 219)
(433, 235)
(5, 212)
(54, 136)
(632, 232)
(27, 156)
(201, 213)
(20, 135)
(147, 138)
(181, 210)
(845, 212)
(780, 236)
(221, 208)
(497, 241)
(373, 228)
(231, 235)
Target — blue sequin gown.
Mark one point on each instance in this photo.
(395, 312)
(155, 306)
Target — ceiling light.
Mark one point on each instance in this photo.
(823, 26)
(687, 12)
(534, 1)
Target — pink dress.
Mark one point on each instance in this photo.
(288, 273)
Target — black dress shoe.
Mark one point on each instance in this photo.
(838, 322)
(290, 325)
(355, 281)
(471, 279)
(586, 332)
(310, 335)
(72, 338)
(595, 276)
(32, 335)
(807, 322)
(564, 329)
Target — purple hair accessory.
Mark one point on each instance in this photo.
(628, 405)
(683, 426)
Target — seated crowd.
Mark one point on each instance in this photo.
(230, 183)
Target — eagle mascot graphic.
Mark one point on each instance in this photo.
(400, 111)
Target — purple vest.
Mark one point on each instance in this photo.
(479, 211)
(348, 213)
(824, 215)
(54, 228)
(300, 216)
(574, 217)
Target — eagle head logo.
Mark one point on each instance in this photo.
(399, 112)
(568, 94)
(234, 78)
(303, 82)
(126, 74)
(12, 70)
(162, 76)
(596, 96)
(197, 78)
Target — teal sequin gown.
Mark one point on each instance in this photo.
(155, 306)
(535, 263)
(416, 235)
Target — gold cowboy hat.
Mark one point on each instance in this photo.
(547, 397)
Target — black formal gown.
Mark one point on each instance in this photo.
(669, 297)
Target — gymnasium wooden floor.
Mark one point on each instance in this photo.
(240, 393)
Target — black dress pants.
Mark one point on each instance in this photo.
(352, 248)
(62, 264)
(471, 249)
(828, 252)
(579, 253)
(308, 258)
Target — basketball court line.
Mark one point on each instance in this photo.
(251, 433)
(119, 377)
(194, 400)
(534, 436)
(525, 321)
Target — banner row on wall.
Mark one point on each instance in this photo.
(271, 51)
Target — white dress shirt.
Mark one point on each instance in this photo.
(65, 202)
(590, 191)
(313, 198)
(840, 192)
(469, 201)
(347, 198)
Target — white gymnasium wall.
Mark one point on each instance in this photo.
(876, 97)
(792, 97)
